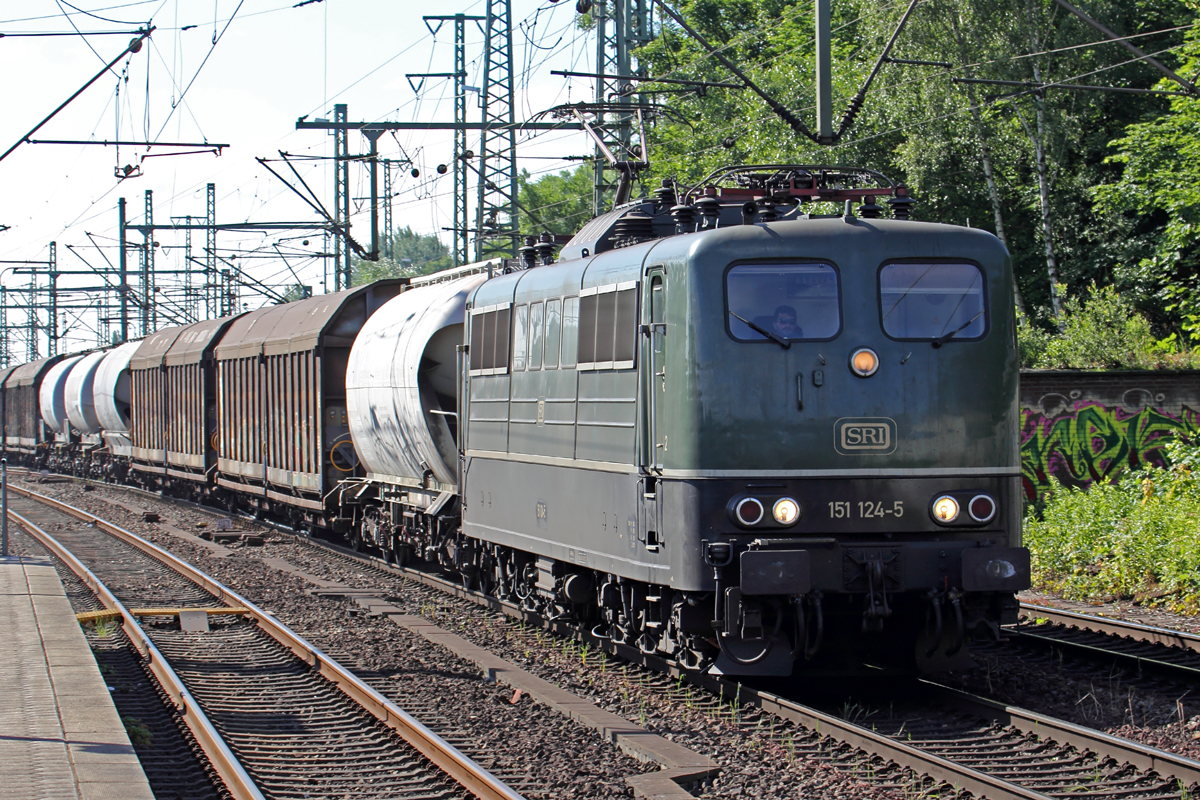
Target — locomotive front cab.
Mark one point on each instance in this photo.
(831, 428)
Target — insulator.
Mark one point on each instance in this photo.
(545, 248)
(856, 104)
(634, 227)
(685, 218)
(869, 208)
(664, 196)
(710, 209)
(902, 204)
(529, 252)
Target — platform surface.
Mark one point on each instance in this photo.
(60, 734)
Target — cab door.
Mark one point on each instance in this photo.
(654, 441)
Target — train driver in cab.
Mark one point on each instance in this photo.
(784, 323)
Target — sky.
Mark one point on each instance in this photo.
(239, 72)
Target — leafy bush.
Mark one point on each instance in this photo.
(1136, 539)
(1102, 332)
(1032, 342)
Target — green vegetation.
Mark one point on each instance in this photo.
(1101, 331)
(1137, 539)
(1084, 187)
(559, 203)
(411, 254)
(139, 734)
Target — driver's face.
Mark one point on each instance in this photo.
(785, 324)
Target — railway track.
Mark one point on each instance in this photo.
(955, 739)
(275, 716)
(1140, 646)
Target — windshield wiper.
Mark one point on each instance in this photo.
(941, 340)
(784, 343)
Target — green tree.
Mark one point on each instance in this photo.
(1159, 191)
(293, 293)
(1102, 332)
(1022, 164)
(411, 254)
(560, 203)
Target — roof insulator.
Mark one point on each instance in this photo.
(902, 204)
(710, 209)
(529, 252)
(685, 218)
(664, 196)
(869, 208)
(545, 248)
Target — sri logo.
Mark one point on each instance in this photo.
(864, 436)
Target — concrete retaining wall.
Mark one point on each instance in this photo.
(1081, 427)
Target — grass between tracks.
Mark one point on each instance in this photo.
(1137, 539)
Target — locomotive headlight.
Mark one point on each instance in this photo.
(864, 362)
(786, 511)
(945, 509)
(749, 511)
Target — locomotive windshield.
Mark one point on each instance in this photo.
(932, 301)
(784, 302)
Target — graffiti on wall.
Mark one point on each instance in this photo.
(1082, 441)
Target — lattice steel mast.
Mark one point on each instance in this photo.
(496, 221)
(622, 26)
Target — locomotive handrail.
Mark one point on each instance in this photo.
(444, 755)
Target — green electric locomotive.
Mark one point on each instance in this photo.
(721, 429)
(726, 431)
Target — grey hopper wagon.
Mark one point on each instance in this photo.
(25, 432)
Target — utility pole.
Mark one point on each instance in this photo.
(461, 181)
(189, 306)
(621, 27)
(149, 315)
(4, 346)
(824, 78)
(213, 290)
(373, 135)
(341, 198)
(496, 220)
(123, 270)
(52, 297)
(33, 321)
(387, 207)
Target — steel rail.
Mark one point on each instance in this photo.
(1122, 751)
(441, 753)
(1112, 627)
(962, 777)
(232, 774)
(979, 783)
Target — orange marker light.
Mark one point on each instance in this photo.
(864, 362)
